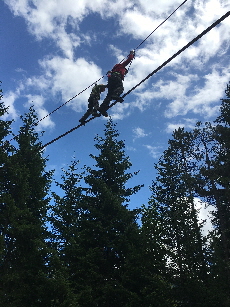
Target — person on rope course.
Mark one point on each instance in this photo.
(115, 83)
(93, 104)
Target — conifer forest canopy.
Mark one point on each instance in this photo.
(84, 246)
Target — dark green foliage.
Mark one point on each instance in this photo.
(222, 167)
(157, 290)
(212, 186)
(95, 253)
(195, 166)
(217, 191)
(24, 204)
(65, 229)
(97, 235)
(111, 227)
(174, 221)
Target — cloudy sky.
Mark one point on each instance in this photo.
(52, 50)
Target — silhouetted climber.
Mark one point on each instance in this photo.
(93, 103)
(115, 83)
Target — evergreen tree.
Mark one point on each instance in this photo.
(196, 164)
(157, 286)
(24, 187)
(222, 178)
(176, 219)
(213, 187)
(65, 215)
(5, 150)
(100, 234)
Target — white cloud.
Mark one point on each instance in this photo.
(159, 6)
(66, 77)
(117, 52)
(136, 20)
(187, 123)
(37, 101)
(120, 111)
(70, 75)
(204, 100)
(155, 151)
(9, 99)
(166, 43)
(139, 133)
(20, 70)
(49, 19)
(139, 18)
(61, 76)
(204, 215)
(189, 93)
(131, 148)
(46, 120)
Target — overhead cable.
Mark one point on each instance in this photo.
(151, 74)
(67, 101)
(104, 76)
(177, 53)
(160, 25)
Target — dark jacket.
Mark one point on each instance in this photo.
(120, 68)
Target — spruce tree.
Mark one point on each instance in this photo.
(157, 286)
(5, 151)
(213, 188)
(222, 178)
(100, 233)
(113, 231)
(64, 218)
(195, 165)
(176, 217)
(25, 185)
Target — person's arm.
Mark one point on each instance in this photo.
(129, 59)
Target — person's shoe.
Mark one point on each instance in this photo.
(117, 98)
(95, 114)
(103, 112)
(82, 121)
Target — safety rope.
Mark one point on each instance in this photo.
(151, 74)
(67, 101)
(177, 53)
(160, 24)
(104, 76)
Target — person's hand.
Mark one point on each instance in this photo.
(132, 52)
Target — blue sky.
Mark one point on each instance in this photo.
(52, 50)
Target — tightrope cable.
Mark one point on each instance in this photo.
(151, 74)
(179, 52)
(67, 101)
(104, 76)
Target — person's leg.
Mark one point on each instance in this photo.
(95, 107)
(89, 111)
(117, 89)
(85, 116)
(105, 104)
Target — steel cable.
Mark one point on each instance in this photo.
(151, 74)
(104, 76)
